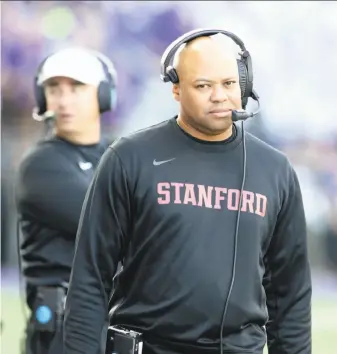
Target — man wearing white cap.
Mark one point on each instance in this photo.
(72, 88)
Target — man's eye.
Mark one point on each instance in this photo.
(202, 86)
(230, 83)
(52, 90)
(77, 87)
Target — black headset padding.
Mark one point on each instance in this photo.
(40, 97)
(168, 73)
(172, 74)
(243, 80)
(105, 88)
(242, 76)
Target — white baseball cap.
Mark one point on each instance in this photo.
(75, 63)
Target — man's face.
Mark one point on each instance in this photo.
(209, 89)
(75, 104)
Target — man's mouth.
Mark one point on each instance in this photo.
(220, 110)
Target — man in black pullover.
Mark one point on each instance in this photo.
(208, 222)
(73, 86)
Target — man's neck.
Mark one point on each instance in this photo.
(203, 136)
(83, 138)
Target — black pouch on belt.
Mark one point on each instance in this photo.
(48, 308)
(123, 341)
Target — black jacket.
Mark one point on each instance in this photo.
(168, 203)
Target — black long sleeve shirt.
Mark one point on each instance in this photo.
(51, 184)
(167, 204)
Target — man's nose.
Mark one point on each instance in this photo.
(65, 98)
(219, 94)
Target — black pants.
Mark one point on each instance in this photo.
(37, 342)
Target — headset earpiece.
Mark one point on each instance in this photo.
(40, 98)
(172, 74)
(107, 90)
(242, 76)
(105, 97)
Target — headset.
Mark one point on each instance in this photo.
(169, 74)
(107, 89)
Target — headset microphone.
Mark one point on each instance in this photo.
(47, 117)
(243, 115)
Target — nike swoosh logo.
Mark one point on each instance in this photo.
(85, 165)
(157, 163)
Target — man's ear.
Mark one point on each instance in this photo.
(176, 92)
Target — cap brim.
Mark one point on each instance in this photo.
(62, 73)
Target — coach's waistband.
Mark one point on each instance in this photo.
(154, 345)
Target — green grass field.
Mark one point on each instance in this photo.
(324, 324)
